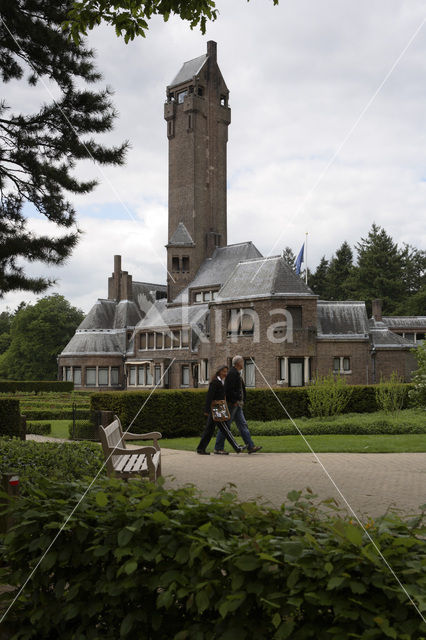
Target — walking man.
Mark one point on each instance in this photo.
(235, 392)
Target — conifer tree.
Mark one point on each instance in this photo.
(38, 150)
(318, 281)
(339, 273)
(289, 257)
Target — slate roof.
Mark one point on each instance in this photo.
(189, 70)
(181, 236)
(405, 322)
(96, 342)
(216, 270)
(342, 319)
(100, 316)
(161, 316)
(263, 277)
(382, 338)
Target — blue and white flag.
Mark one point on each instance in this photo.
(300, 259)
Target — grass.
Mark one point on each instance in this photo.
(408, 443)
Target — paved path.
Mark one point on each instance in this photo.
(370, 482)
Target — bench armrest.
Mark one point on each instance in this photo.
(154, 435)
(118, 451)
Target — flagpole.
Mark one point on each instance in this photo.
(306, 258)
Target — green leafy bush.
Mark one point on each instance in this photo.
(150, 563)
(11, 422)
(39, 428)
(83, 430)
(56, 414)
(418, 392)
(328, 395)
(54, 460)
(35, 386)
(390, 394)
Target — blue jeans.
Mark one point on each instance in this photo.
(237, 414)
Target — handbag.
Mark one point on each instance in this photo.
(220, 411)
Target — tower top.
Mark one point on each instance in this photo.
(192, 68)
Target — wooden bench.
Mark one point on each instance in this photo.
(126, 463)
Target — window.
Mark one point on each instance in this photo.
(241, 322)
(249, 373)
(207, 296)
(204, 370)
(157, 374)
(223, 101)
(336, 364)
(151, 340)
(185, 264)
(409, 336)
(103, 376)
(346, 364)
(148, 375)
(91, 376)
(68, 374)
(198, 297)
(185, 337)
(77, 376)
(214, 295)
(296, 314)
(181, 96)
(282, 374)
(200, 91)
(142, 341)
(158, 340)
(175, 263)
(114, 376)
(420, 337)
(132, 375)
(167, 341)
(341, 364)
(176, 340)
(141, 376)
(185, 375)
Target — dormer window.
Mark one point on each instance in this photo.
(185, 264)
(181, 96)
(175, 263)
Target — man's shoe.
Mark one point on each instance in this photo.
(241, 449)
(203, 453)
(221, 452)
(253, 449)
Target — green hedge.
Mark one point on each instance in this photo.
(35, 386)
(57, 414)
(11, 422)
(177, 413)
(83, 430)
(39, 428)
(53, 460)
(149, 563)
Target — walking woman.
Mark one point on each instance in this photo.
(216, 392)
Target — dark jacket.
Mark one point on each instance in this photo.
(216, 392)
(235, 389)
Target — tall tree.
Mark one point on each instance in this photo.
(290, 257)
(130, 17)
(318, 280)
(38, 151)
(379, 272)
(413, 269)
(38, 333)
(5, 325)
(339, 273)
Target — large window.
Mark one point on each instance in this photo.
(157, 374)
(249, 373)
(158, 340)
(132, 376)
(67, 374)
(151, 344)
(185, 337)
(114, 376)
(103, 376)
(77, 376)
(90, 376)
(341, 364)
(185, 264)
(204, 370)
(142, 341)
(241, 322)
(185, 375)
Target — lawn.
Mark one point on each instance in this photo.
(408, 443)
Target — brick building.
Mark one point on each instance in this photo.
(223, 299)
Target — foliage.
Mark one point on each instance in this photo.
(328, 395)
(38, 333)
(290, 258)
(418, 393)
(56, 414)
(83, 430)
(54, 460)
(318, 280)
(339, 273)
(39, 428)
(40, 149)
(5, 323)
(390, 393)
(131, 17)
(36, 386)
(11, 423)
(151, 563)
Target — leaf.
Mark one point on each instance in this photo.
(124, 536)
(276, 620)
(334, 582)
(294, 496)
(247, 563)
(49, 560)
(127, 624)
(202, 601)
(285, 630)
(101, 499)
(354, 534)
(130, 567)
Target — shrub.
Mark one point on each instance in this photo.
(39, 428)
(418, 392)
(328, 395)
(54, 460)
(64, 413)
(11, 422)
(390, 394)
(35, 386)
(83, 430)
(151, 563)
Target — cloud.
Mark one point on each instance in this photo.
(299, 76)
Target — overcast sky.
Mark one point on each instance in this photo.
(323, 139)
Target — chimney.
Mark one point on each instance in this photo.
(377, 309)
(212, 50)
(114, 282)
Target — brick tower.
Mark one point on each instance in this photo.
(197, 115)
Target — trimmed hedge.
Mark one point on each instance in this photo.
(39, 428)
(11, 422)
(137, 561)
(36, 386)
(83, 430)
(57, 414)
(178, 413)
